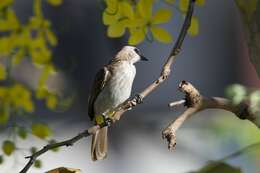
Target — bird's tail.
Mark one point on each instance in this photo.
(99, 144)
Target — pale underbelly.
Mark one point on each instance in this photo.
(112, 95)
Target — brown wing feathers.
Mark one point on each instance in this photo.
(99, 83)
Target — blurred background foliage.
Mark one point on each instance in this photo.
(141, 20)
(34, 39)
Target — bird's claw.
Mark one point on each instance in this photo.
(107, 121)
(139, 98)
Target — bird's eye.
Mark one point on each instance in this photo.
(137, 51)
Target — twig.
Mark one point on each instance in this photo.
(129, 104)
(177, 103)
(195, 102)
(66, 143)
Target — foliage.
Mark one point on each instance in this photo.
(141, 21)
(8, 147)
(41, 130)
(238, 93)
(218, 167)
(33, 40)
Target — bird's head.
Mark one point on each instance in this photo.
(130, 54)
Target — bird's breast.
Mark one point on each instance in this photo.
(117, 90)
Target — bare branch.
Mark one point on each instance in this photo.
(129, 104)
(196, 102)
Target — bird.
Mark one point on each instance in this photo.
(111, 87)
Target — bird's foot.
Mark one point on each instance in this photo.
(139, 98)
(107, 121)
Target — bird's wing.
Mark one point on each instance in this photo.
(101, 79)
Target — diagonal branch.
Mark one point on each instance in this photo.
(195, 102)
(129, 104)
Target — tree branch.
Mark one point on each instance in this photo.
(129, 104)
(195, 102)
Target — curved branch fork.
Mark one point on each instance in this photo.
(195, 102)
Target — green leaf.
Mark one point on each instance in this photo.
(218, 167)
(5, 113)
(236, 93)
(37, 164)
(161, 35)
(194, 27)
(55, 2)
(1, 159)
(22, 132)
(2, 72)
(33, 150)
(254, 98)
(8, 147)
(41, 130)
(162, 16)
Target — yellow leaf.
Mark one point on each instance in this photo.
(2, 72)
(162, 16)
(184, 5)
(51, 37)
(116, 30)
(194, 28)
(5, 3)
(112, 6)
(3, 92)
(200, 2)
(161, 34)
(41, 130)
(127, 10)
(145, 8)
(41, 93)
(18, 56)
(55, 2)
(136, 36)
(51, 102)
(109, 19)
(8, 147)
(12, 19)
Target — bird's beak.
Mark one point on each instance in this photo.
(143, 58)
